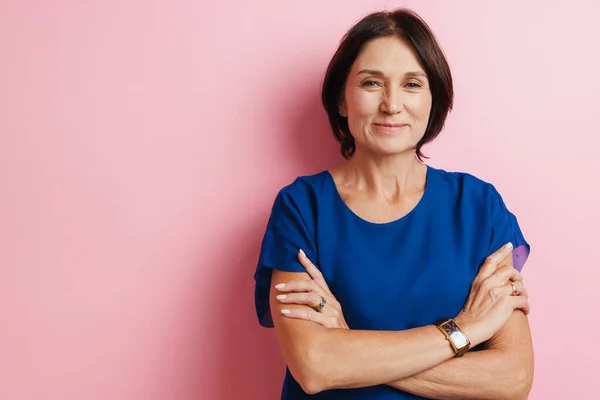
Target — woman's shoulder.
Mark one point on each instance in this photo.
(464, 183)
(306, 186)
(304, 192)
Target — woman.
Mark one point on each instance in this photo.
(382, 274)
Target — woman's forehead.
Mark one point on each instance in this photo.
(389, 55)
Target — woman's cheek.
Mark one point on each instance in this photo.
(367, 104)
(423, 105)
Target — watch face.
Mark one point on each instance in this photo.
(459, 339)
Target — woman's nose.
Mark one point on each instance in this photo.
(392, 101)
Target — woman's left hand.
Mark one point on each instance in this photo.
(311, 293)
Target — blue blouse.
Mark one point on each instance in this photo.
(391, 276)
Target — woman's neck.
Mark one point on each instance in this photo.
(391, 176)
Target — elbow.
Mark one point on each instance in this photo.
(309, 380)
(310, 385)
(521, 385)
(525, 382)
(310, 373)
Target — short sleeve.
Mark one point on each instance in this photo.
(505, 228)
(289, 229)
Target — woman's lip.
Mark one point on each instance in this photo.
(391, 125)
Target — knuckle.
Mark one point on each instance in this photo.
(518, 277)
(487, 285)
(506, 269)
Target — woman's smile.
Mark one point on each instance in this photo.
(389, 129)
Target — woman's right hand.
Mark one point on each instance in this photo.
(491, 300)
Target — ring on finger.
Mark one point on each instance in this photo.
(321, 304)
(515, 291)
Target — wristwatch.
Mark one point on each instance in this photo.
(458, 340)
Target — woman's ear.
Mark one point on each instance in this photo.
(342, 108)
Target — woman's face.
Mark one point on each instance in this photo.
(386, 99)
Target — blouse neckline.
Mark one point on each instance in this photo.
(415, 209)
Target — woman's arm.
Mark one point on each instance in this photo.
(503, 370)
(505, 363)
(320, 358)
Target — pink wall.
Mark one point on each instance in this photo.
(142, 144)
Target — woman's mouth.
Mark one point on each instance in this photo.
(389, 128)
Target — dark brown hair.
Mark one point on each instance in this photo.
(408, 26)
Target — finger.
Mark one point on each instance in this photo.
(501, 291)
(491, 262)
(500, 277)
(312, 270)
(311, 299)
(506, 273)
(522, 303)
(309, 315)
(518, 277)
(301, 286)
(507, 290)
(521, 289)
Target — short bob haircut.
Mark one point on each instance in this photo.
(409, 27)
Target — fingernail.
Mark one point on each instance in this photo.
(302, 253)
(279, 286)
(285, 311)
(508, 245)
(281, 297)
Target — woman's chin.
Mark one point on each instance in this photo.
(390, 148)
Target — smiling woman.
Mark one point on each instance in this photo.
(381, 274)
(387, 108)
(416, 66)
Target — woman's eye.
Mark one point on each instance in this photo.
(370, 83)
(413, 85)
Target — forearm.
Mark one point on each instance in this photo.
(320, 358)
(337, 358)
(486, 374)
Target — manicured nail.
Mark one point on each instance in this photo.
(279, 286)
(285, 311)
(508, 245)
(302, 254)
(281, 297)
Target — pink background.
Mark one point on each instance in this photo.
(142, 144)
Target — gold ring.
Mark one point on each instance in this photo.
(321, 304)
(514, 289)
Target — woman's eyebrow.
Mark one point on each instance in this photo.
(380, 73)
